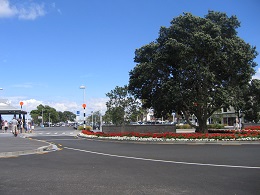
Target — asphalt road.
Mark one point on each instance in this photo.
(84, 166)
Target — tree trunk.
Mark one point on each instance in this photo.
(202, 128)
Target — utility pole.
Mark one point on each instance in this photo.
(42, 118)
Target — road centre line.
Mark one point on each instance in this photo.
(165, 161)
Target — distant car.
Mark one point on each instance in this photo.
(57, 125)
(75, 126)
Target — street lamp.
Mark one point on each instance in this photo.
(49, 119)
(84, 105)
(100, 128)
(92, 121)
(42, 119)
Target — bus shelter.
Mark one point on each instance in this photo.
(7, 109)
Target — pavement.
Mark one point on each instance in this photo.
(11, 146)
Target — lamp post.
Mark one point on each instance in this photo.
(84, 105)
(42, 119)
(92, 121)
(100, 128)
(49, 119)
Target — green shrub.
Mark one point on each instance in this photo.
(185, 126)
(89, 128)
(216, 126)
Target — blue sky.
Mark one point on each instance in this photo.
(49, 48)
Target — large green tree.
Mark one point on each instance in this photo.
(194, 67)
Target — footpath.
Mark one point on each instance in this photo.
(11, 146)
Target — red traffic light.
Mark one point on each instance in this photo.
(84, 105)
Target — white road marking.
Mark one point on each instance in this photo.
(165, 161)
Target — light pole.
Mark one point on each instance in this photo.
(100, 128)
(92, 121)
(49, 119)
(84, 105)
(42, 119)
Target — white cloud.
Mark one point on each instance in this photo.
(32, 12)
(29, 11)
(6, 10)
(97, 104)
(25, 85)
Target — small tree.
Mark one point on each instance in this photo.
(121, 105)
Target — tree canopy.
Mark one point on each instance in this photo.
(121, 106)
(196, 66)
(251, 107)
(48, 112)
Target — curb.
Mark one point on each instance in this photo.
(40, 150)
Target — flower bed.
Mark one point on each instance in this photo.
(219, 135)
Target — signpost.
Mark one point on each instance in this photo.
(84, 106)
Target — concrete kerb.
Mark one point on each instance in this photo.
(39, 150)
(50, 147)
(26, 152)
